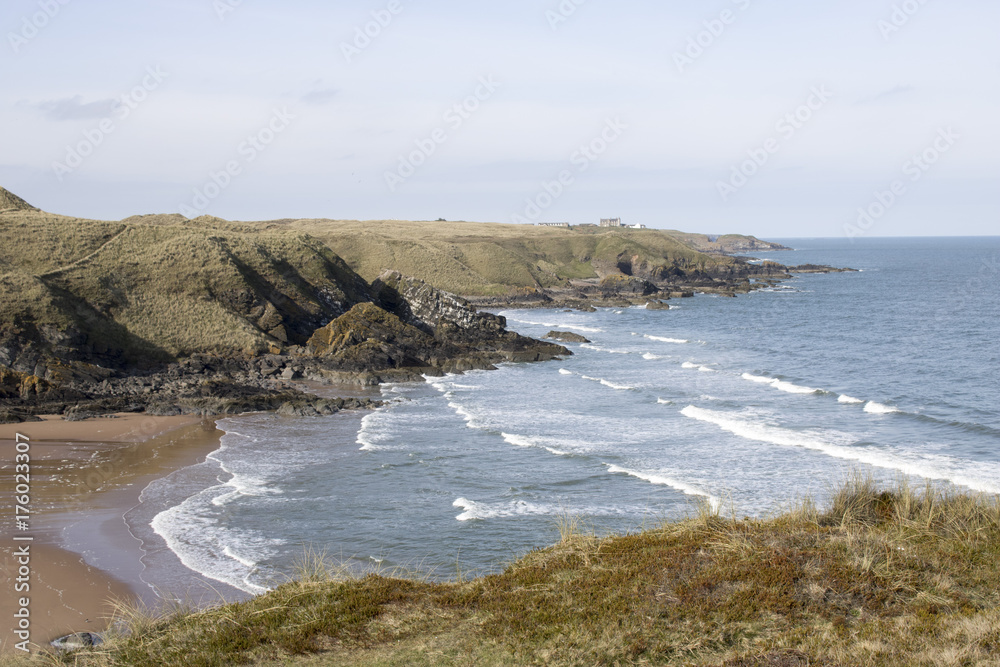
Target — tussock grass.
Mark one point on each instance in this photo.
(488, 259)
(882, 577)
(139, 291)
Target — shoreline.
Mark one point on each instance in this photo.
(85, 476)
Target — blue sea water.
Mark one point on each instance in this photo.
(750, 404)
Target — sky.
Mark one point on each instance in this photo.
(777, 118)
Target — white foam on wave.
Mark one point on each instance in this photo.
(662, 339)
(557, 325)
(245, 562)
(597, 348)
(700, 368)
(871, 407)
(195, 537)
(663, 480)
(850, 400)
(368, 437)
(965, 473)
(608, 383)
(663, 401)
(476, 511)
(466, 387)
(470, 419)
(445, 386)
(781, 384)
(536, 442)
(649, 356)
(244, 485)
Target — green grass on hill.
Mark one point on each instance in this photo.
(489, 259)
(881, 578)
(151, 288)
(164, 290)
(39, 242)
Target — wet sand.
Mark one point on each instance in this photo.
(84, 476)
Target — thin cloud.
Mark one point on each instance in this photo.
(74, 108)
(892, 92)
(317, 97)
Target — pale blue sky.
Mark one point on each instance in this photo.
(336, 125)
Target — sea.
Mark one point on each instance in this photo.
(746, 405)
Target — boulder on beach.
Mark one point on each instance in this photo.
(77, 641)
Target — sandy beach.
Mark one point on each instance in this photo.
(83, 477)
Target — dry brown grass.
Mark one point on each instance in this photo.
(487, 259)
(164, 290)
(882, 578)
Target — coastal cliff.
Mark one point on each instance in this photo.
(171, 316)
(496, 264)
(163, 314)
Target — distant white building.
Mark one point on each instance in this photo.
(617, 222)
(553, 224)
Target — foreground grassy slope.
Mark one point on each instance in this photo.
(139, 290)
(882, 578)
(488, 259)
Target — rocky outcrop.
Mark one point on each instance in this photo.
(626, 285)
(657, 305)
(411, 325)
(368, 337)
(817, 268)
(443, 315)
(566, 337)
(17, 417)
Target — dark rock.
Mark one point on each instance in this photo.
(315, 407)
(419, 327)
(622, 284)
(566, 337)
(15, 417)
(817, 268)
(657, 305)
(77, 641)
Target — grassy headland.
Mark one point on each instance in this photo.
(491, 259)
(154, 288)
(94, 309)
(880, 578)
